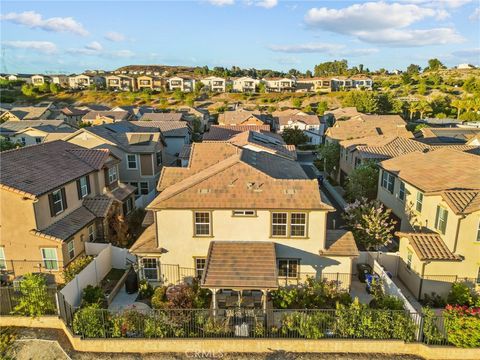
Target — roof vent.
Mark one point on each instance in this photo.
(290, 191)
(379, 131)
(203, 191)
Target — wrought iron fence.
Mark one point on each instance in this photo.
(11, 298)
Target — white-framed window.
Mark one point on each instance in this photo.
(144, 188)
(91, 233)
(71, 249)
(83, 186)
(50, 260)
(200, 263)
(128, 206)
(38, 140)
(244, 213)
(112, 174)
(298, 224)
(388, 181)
(441, 219)
(132, 162)
(419, 202)
(279, 224)
(135, 184)
(150, 268)
(409, 260)
(3, 261)
(288, 268)
(57, 201)
(401, 191)
(203, 224)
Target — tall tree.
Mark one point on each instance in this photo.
(413, 69)
(434, 65)
(294, 136)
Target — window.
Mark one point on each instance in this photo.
(388, 181)
(288, 268)
(478, 232)
(441, 219)
(150, 268)
(244, 213)
(137, 193)
(200, 266)
(132, 161)
(298, 224)
(144, 188)
(419, 204)
(127, 206)
(23, 141)
(3, 262)
(112, 174)
(401, 191)
(409, 260)
(159, 158)
(49, 256)
(71, 249)
(358, 162)
(202, 223)
(38, 140)
(82, 187)
(279, 224)
(57, 202)
(91, 233)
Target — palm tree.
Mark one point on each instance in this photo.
(424, 108)
(459, 105)
(476, 104)
(413, 108)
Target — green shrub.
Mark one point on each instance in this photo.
(461, 294)
(462, 325)
(92, 295)
(75, 267)
(90, 322)
(309, 325)
(7, 337)
(433, 300)
(34, 300)
(430, 329)
(159, 298)
(145, 290)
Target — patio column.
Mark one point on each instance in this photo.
(239, 294)
(214, 301)
(264, 300)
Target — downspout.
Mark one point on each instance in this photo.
(457, 233)
(421, 279)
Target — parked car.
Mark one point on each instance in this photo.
(363, 270)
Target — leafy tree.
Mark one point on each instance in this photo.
(178, 95)
(424, 108)
(422, 87)
(35, 300)
(199, 86)
(330, 155)
(434, 65)
(459, 105)
(54, 88)
(308, 74)
(370, 223)
(363, 182)
(294, 136)
(8, 145)
(364, 101)
(413, 69)
(296, 102)
(406, 78)
(413, 108)
(336, 67)
(308, 109)
(261, 88)
(322, 107)
(28, 90)
(471, 85)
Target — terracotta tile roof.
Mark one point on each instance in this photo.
(98, 205)
(254, 139)
(237, 179)
(68, 225)
(306, 119)
(115, 115)
(448, 135)
(368, 125)
(146, 242)
(288, 112)
(168, 128)
(429, 246)
(225, 132)
(240, 265)
(238, 117)
(38, 169)
(342, 113)
(462, 201)
(453, 169)
(122, 191)
(163, 116)
(340, 243)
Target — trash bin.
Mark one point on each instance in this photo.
(363, 270)
(131, 282)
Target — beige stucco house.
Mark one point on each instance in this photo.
(245, 84)
(32, 132)
(316, 84)
(244, 117)
(38, 80)
(84, 81)
(436, 196)
(121, 82)
(280, 84)
(184, 84)
(55, 197)
(233, 199)
(214, 84)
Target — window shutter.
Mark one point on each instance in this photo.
(107, 182)
(64, 199)
(445, 218)
(437, 217)
(88, 184)
(50, 202)
(79, 190)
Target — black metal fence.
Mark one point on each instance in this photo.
(12, 301)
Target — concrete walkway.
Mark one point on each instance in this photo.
(411, 299)
(126, 301)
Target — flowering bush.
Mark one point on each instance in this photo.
(461, 294)
(462, 325)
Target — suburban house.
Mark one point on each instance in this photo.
(121, 82)
(71, 115)
(240, 204)
(184, 84)
(226, 132)
(362, 125)
(38, 80)
(309, 124)
(245, 84)
(140, 150)
(445, 136)
(136, 112)
(436, 196)
(341, 83)
(105, 117)
(175, 133)
(245, 117)
(149, 82)
(340, 114)
(316, 84)
(18, 113)
(279, 84)
(55, 197)
(167, 116)
(61, 80)
(32, 132)
(192, 113)
(362, 82)
(214, 84)
(84, 81)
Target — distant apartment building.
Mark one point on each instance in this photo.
(316, 84)
(84, 81)
(121, 82)
(279, 84)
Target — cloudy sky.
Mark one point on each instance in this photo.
(71, 36)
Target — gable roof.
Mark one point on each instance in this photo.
(448, 135)
(306, 119)
(172, 116)
(462, 201)
(168, 128)
(453, 169)
(38, 169)
(226, 132)
(28, 112)
(343, 113)
(13, 126)
(238, 117)
(118, 115)
(339, 243)
(429, 246)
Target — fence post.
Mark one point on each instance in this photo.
(420, 328)
(58, 303)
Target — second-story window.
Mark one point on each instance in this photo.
(279, 224)
(132, 161)
(159, 158)
(91, 233)
(388, 181)
(419, 202)
(83, 187)
(71, 249)
(112, 174)
(298, 224)
(401, 191)
(58, 201)
(202, 223)
(441, 219)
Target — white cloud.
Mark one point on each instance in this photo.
(35, 20)
(94, 46)
(96, 49)
(45, 47)
(122, 53)
(114, 36)
(436, 3)
(322, 48)
(221, 2)
(267, 4)
(383, 23)
(475, 15)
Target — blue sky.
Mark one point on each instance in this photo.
(71, 36)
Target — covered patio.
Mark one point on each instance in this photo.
(240, 273)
